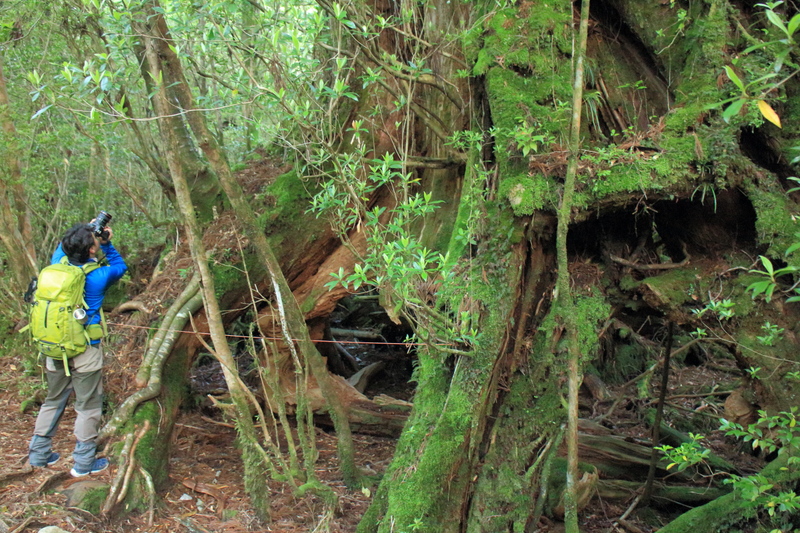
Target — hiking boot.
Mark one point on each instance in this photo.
(51, 460)
(98, 466)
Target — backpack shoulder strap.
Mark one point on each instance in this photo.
(87, 268)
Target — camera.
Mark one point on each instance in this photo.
(99, 225)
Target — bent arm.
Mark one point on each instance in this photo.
(116, 264)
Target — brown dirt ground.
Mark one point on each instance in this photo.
(203, 452)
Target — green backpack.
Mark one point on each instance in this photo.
(53, 324)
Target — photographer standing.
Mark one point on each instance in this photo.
(80, 246)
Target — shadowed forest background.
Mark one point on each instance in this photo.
(414, 266)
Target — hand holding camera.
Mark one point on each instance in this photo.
(100, 227)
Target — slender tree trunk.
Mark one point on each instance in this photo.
(565, 302)
(252, 453)
(295, 329)
(15, 225)
(203, 183)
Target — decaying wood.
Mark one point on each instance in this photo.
(131, 305)
(658, 266)
(675, 438)
(211, 490)
(360, 380)
(585, 489)
(596, 386)
(346, 356)
(358, 333)
(663, 494)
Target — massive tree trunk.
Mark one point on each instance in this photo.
(478, 450)
(473, 455)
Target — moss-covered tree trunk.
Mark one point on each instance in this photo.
(203, 183)
(476, 452)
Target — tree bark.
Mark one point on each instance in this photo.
(155, 42)
(203, 184)
(16, 234)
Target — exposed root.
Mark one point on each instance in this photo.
(132, 462)
(21, 527)
(51, 482)
(174, 320)
(124, 458)
(151, 495)
(131, 305)
(152, 365)
(16, 474)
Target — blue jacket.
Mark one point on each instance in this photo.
(98, 280)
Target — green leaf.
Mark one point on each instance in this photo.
(42, 110)
(733, 109)
(793, 24)
(734, 78)
(767, 265)
(777, 22)
(792, 248)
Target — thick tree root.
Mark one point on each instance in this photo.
(153, 362)
(174, 320)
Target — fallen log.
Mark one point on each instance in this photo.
(360, 380)
(663, 495)
(724, 513)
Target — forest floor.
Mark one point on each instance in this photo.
(205, 491)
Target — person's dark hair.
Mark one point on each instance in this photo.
(76, 243)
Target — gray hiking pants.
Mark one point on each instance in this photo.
(86, 380)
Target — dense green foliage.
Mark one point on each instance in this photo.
(437, 153)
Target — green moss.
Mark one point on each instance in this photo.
(531, 414)
(774, 219)
(285, 199)
(94, 499)
(526, 66)
(227, 270)
(527, 194)
(152, 453)
(673, 288)
(590, 312)
(452, 392)
(525, 63)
